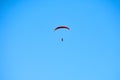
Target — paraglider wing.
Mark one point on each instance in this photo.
(61, 27)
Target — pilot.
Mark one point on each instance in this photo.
(62, 39)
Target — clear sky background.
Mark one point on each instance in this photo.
(31, 50)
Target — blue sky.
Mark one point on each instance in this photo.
(31, 50)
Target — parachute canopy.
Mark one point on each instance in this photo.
(62, 27)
